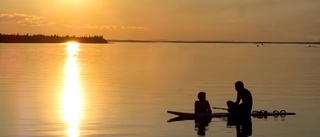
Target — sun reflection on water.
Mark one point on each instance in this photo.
(72, 92)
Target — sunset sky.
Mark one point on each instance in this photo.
(243, 20)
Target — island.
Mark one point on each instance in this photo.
(40, 38)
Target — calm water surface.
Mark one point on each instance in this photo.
(125, 89)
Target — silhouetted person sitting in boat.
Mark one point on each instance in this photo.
(244, 108)
(202, 105)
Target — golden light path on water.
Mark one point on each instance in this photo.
(72, 91)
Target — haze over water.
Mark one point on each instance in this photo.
(125, 89)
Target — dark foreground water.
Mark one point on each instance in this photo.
(125, 89)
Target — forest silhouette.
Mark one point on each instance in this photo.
(40, 38)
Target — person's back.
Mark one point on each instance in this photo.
(246, 98)
(202, 105)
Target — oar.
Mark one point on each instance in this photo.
(219, 108)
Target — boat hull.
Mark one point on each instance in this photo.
(212, 115)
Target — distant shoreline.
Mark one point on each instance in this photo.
(39, 38)
(205, 41)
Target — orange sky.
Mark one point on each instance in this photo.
(245, 20)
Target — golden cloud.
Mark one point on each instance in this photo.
(87, 26)
(25, 19)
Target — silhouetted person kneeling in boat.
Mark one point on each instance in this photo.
(202, 105)
(245, 97)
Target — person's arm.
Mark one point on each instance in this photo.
(209, 107)
(238, 99)
(196, 107)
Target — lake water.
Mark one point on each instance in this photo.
(125, 89)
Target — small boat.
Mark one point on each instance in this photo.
(310, 46)
(261, 113)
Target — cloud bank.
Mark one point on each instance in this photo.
(24, 19)
(87, 26)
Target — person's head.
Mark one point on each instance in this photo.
(202, 96)
(239, 86)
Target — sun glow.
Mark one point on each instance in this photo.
(72, 91)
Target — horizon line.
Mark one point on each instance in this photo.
(214, 41)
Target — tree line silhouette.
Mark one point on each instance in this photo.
(40, 38)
